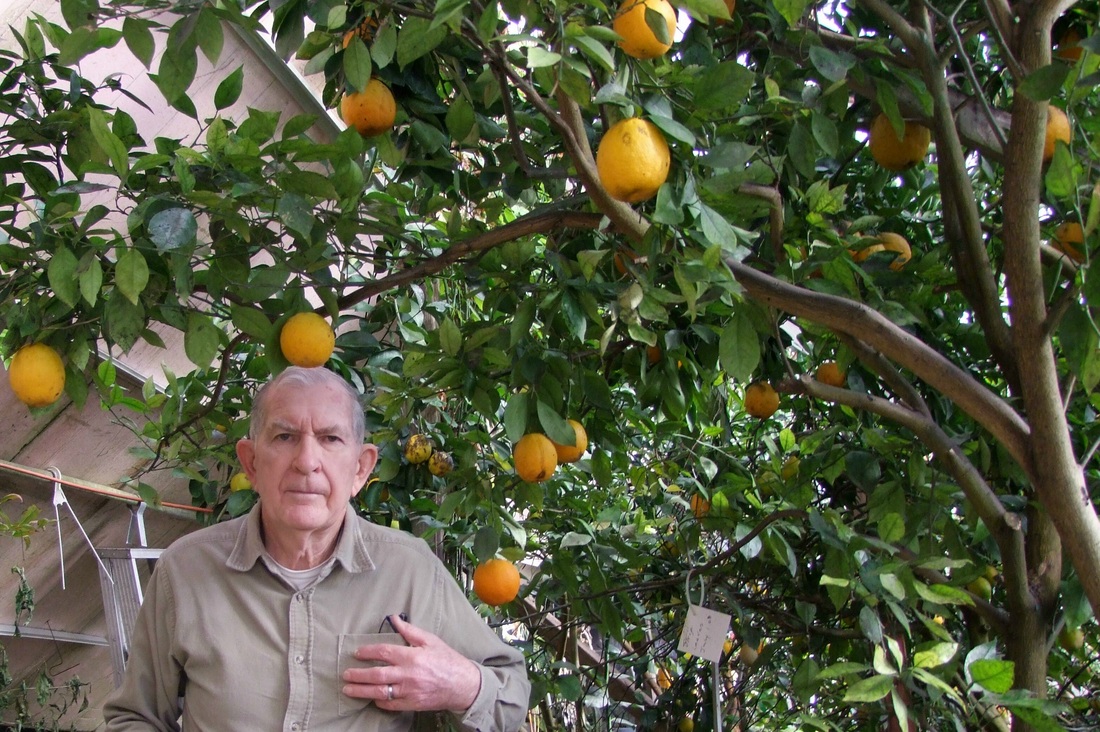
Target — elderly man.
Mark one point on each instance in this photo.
(302, 615)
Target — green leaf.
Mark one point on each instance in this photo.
(833, 65)
(357, 64)
(61, 273)
(172, 229)
(91, 278)
(791, 10)
(417, 38)
(555, 426)
(131, 274)
(936, 655)
(201, 340)
(515, 417)
(594, 50)
(125, 320)
(739, 348)
(229, 90)
(251, 321)
(108, 142)
(296, 213)
(448, 12)
(869, 690)
(450, 337)
(1044, 83)
(460, 118)
(176, 71)
(538, 57)
(840, 670)
(139, 39)
(993, 674)
(891, 527)
(208, 34)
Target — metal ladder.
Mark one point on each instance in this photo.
(122, 578)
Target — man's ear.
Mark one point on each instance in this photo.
(368, 458)
(246, 453)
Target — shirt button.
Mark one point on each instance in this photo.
(299, 660)
(295, 727)
(298, 597)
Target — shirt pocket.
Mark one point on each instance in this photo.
(346, 705)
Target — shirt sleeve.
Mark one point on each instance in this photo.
(149, 697)
(501, 704)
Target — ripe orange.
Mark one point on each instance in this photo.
(638, 39)
(894, 153)
(239, 482)
(496, 581)
(371, 111)
(535, 457)
(700, 506)
(364, 30)
(859, 255)
(572, 453)
(1068, 238)
(632, 160)
(1067, 48)
(441, 463)
(37, 375)
(829, 373)
(1058, 128)
(307, 340)
(418, 448)
(761, 400)
(892, 242)
(653, 355)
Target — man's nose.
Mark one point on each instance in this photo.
(308, 457)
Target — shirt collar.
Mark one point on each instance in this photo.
(351, 548)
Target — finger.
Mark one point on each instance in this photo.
(413, 635)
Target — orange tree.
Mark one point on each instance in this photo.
(902, 551)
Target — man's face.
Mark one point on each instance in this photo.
(305, 462)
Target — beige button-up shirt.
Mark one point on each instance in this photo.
(223, 643)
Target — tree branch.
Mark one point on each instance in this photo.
(535, 223)
(860, 321)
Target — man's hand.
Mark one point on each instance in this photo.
(426, 675)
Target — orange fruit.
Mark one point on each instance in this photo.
(1068, 238)
(653, 355)
(37, 375)
(440, 463)
(239, 482)
(1067, 48)
(892, 242)
(307, 340)
(894, 153)
(371, 111)
(829, 373)
(860, 255)
(638, 39)
(496, 581)
(418, 448)
(572, 453)
(364, 30)
(632, 160)
(535, 457)
(761, 400)
(664, 678)
(1058, 128)
(700, 506)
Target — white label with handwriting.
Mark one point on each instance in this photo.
(704, 633)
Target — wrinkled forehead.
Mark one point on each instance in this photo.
(315, 408)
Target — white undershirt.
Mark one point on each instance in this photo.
(299, 579)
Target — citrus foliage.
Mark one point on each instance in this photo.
(844, 532)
